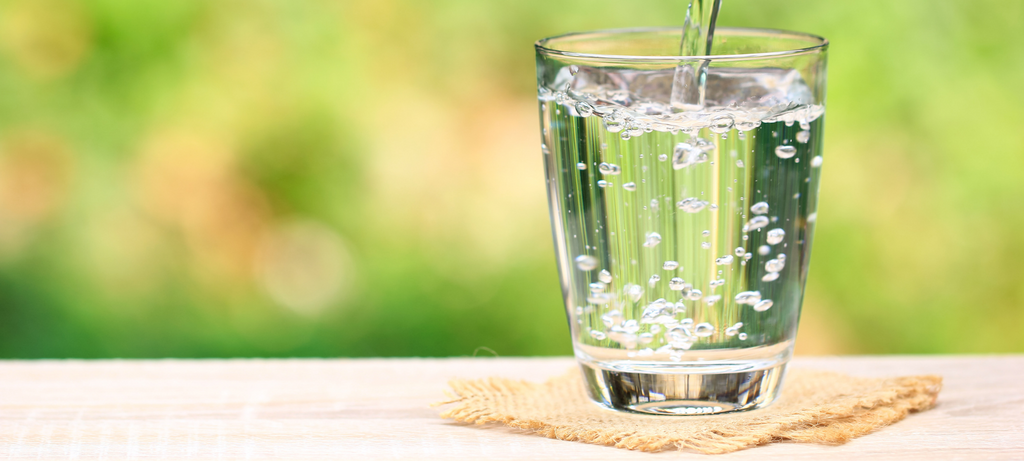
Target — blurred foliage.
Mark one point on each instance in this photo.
(205, 178)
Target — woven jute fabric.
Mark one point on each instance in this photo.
(814, 406)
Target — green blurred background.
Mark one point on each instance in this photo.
(209, 178)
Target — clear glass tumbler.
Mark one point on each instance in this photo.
(683, 193)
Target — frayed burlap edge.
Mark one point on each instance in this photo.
(833, 420)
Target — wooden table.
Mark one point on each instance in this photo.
(379, 409)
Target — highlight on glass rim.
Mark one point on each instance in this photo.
(671, 211)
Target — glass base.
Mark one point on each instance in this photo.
(693, 388)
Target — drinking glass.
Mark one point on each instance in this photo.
(682, 193)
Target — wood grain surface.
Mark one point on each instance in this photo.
(379, 409)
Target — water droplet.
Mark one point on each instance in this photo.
(804, 125)
(626, 134)
(705, 245)
(763, 305)
(816, 161)
(803, 136)
(597, 287)
(602, 183)
(586, 262)
(757, 222)
(782, 257)
(775, 236)
(691, 204)
(653, 280)
(748, 297)
(653, 239)
(694, 294)
(604, 276)
(770, 277)
(739, 251)
(742, 336)
(785, 151)
(670, 265)
(721, 123)
(704, 330)
(581, 166)
(608, 168)
(759, 208)
(739, 163)
(724, 260)
(612, 124)
(630, 186)
(600, 336)
(774, 265)
(764, 249)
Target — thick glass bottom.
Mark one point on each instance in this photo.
(681, 388)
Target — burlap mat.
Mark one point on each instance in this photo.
(815, 406)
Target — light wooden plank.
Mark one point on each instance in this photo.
(379, 409)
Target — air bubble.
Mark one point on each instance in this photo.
(670, 265)
(604, 276)
(586, 262)
(691, 204)
(597, 287)
(630, 186)
(731, 331)
(816, 161)
(803, 136)
(764, 250)
(600, 336)
(775, 265)
(757, 222)
(704, 330)
(676, 284)
(602, 183)
(584, 109)
(763, 305)
(581, 166)
(739, 163)
(748, 297)
(711, 300)
(785, 151)
(776, 236)
(742, 336)
(662, 157)
(721, 124)
(653, 239)
(770, 277)
(724, 260)
(694, 294)
(759, 208)
(653, 280)
(609, 168)
(739, 251)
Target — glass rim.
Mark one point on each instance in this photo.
(543, 47)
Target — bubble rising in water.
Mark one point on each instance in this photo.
(662, 157)
(763, 305)
(764, 250)
(670, 265)
(604, 276)
(602, 183)
(776, 236)
(653, 239)
(694, 294)
(609, 168)
(597, 287)
(775, 265)
(803, 136)
(676, 284)
(748, 297)
(653, 280)
(586, 262)
(770, 277)
(704, 330)
(691, 205)
(630, 186)
(742, 336)
(733, 330)
(598, 335)
(581, 166)
(785, 152)
(724, 260)
(757, 222)
(584, 109)
(816, 161)
(739, 251)
(759, 208)
(705, 245)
